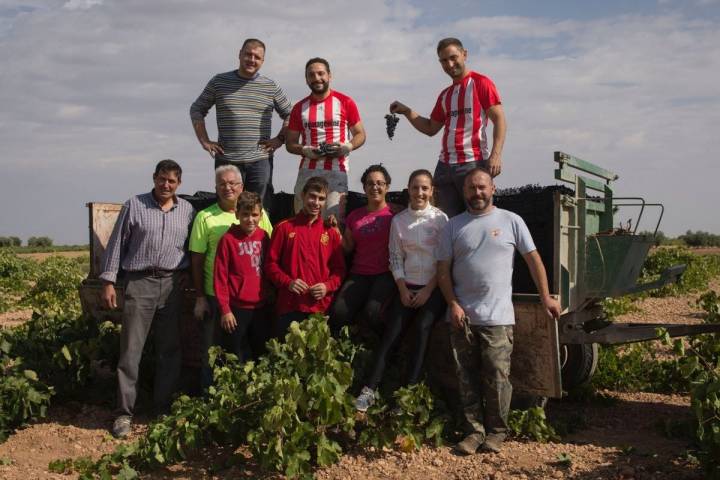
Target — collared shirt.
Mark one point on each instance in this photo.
(414, 236)
(146, 237)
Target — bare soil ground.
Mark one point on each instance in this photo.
(45, 255)
(625, 439)
(668, 310)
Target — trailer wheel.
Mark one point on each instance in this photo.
(578, 363)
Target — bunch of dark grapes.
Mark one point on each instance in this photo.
(391, 121)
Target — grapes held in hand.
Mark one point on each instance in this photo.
(391, 121)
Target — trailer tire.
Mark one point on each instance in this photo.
(578, 362)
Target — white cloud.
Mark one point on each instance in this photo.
(104, 92)
(69, 112)
(81, 4)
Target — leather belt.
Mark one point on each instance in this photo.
(154, 272)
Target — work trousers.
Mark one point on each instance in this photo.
(482, 362)
(150, 302)
(396, 320)
(366, 293)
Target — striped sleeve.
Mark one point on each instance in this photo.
(281, 103)
(202, 105)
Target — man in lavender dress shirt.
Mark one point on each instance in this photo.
(148, 244)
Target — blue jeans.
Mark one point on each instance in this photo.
(256, 175)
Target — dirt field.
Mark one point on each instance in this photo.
(623, 440)
(43, 256)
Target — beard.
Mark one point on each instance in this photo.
(478, 203)
(320, 88)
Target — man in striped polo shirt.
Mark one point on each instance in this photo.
(324, 117)
(463, 109)
(244, 102)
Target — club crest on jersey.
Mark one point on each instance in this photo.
(324, 238)
(291, 235)
(495, 232)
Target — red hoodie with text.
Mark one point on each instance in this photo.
(239, 268)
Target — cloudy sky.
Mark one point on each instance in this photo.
(95, 92)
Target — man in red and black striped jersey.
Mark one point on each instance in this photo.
(324, 117)
(463, 109)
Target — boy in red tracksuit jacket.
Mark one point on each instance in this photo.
(305, 261)
(238, 275)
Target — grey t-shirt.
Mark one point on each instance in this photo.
(482, 250)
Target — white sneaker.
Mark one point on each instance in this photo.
(365, 400)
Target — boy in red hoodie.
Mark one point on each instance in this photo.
(305, 260)
(238, 275)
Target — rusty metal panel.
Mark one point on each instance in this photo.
(536, 354)
(102, 220)
(190, 329)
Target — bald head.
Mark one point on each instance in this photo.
(478, 171)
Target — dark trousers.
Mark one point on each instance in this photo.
(150, 302)
(366, 293)
(247, 341)
(256, 175)
(448, 182)
(397, 320)
(283, 321)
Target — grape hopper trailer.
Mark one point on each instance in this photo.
(586, 257)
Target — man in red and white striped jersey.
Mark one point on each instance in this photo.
(463, 109)
(324, 117)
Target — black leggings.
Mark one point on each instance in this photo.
(361, 292)
(397, 320)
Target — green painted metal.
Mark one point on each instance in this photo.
(613, 263)
(608, 261)
(584, 166)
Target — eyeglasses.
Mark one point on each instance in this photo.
(228, 184)
(376, 184)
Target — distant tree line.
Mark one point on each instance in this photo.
(690, 239)
(10, 242)
(700, 239)
(32, 242)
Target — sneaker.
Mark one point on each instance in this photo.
(121, 426)
(470, 444)
(365, 400)
(493, 443)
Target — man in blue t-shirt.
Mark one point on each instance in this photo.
(475, 264)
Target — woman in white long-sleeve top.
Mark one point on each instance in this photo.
(414, 234)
